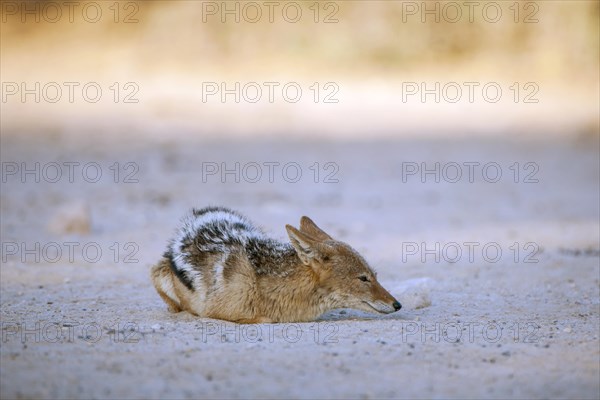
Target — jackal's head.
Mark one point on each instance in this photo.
(344, 276)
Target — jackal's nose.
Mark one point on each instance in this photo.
(397, 306)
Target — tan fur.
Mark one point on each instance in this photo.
(162, 277)
(323, 276)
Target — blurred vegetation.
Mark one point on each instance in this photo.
(369, 35)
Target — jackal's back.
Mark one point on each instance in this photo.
(204, 240)
(215, 241)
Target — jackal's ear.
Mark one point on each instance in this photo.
(305, 245)
(310, 228)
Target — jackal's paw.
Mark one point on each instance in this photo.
(173, 308)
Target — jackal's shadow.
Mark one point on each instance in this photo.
(348, 314)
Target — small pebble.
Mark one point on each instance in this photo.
(73, 218)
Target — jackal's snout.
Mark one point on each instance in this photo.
(384, 307)
(382, 301)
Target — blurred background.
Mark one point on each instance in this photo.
(374, 104)
(371, 53)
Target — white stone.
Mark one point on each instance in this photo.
(414, 294)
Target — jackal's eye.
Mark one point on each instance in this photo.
(364, 278)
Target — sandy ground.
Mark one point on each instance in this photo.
(521, 325)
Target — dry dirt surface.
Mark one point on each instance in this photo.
(499, 277)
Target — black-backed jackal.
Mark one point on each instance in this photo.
(221, 266)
